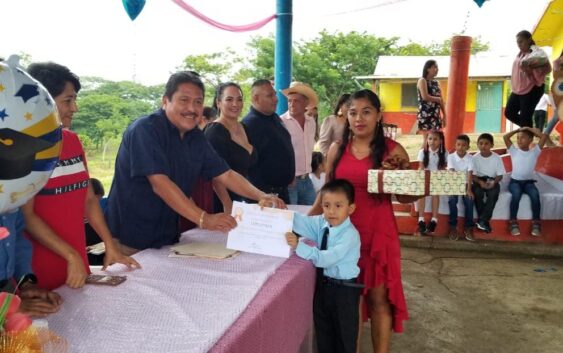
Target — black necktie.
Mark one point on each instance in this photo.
(324, 242)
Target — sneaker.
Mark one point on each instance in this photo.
(468, 232)
(514, 229)
(481, 225)
(431, 227)
(489, 228)
(421, 228)
(453, 233)
(536, 229)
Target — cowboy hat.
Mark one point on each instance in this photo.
(304, 90)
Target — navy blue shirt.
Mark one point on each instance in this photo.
(276, 159)
(152, 145)
(15, 249)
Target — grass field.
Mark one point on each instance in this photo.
(103, 169)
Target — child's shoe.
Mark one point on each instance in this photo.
(421, 228)
(431, 227)
(514, 229)
(453, 233)
(536, 229)
(468, 232)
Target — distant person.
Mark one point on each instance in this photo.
(461, 161)
(99, 192)
(313, 112)
(522, 181)
(430, 100)
(317, 174)
(209, 115)
(432, 157)
(302, 129)
(333, 125)
(336, 254)
(92, 238)
(529, 69)
(540, 113)
(275, 169)
(228, 137)
(54, 218)
(159, 161)
(486, 175)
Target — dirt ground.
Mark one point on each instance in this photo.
(479, 303)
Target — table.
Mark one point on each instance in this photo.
(193, 305)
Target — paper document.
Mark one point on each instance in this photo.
(201, 249)
(260, 231)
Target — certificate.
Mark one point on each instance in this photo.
(260, 231)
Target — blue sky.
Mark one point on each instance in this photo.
(98, 38)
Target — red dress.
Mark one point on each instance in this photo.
(380, 255)
(62, 204)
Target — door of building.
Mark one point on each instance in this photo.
(489, 107)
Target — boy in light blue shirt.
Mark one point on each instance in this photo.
(337, 294)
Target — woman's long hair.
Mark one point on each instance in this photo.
(427, 66)
(377, 144)
(441, 150)
(219, 94)
(341, 101)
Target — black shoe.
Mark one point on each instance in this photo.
(488, 225)
(421, 228)
(431, 227)
(481, 225)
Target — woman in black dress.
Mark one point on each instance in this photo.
(228, 136)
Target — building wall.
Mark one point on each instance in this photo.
(405, 117)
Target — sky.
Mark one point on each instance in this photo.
(97, 38)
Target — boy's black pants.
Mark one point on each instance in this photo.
(485, 207)
(336, 315)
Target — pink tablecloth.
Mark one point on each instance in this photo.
(193, 305)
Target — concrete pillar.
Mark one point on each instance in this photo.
(457, 88)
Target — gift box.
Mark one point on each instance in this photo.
(417, 182)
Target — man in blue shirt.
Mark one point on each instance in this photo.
(15, 267)
(157, 165)
(337, 294)
(275, 169)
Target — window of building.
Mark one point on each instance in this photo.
(409, 95)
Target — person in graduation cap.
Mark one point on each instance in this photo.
(55, 216)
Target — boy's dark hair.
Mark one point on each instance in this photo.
(463, 137)
(97, 187)
(54, 77)
(486, 136)
(316, 160)
(528, 132)
(339, 185)
(183, 77)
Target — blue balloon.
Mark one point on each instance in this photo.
(133, 7)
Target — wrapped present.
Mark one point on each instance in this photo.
(417, 182)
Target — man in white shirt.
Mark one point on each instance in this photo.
(540, 113)
(302, 129)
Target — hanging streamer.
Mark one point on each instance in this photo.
(243, 28)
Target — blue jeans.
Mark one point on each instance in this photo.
(517, 188)
(302, 192)
(468, 204)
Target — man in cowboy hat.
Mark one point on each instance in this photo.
(302, 129)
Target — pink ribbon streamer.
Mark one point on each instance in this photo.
(243, 28)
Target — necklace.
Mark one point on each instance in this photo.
(365, 151)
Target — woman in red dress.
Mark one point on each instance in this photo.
(364, 147)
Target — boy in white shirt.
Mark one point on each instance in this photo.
(522, 179)
(460, 161)
(486, 174)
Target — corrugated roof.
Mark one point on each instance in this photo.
(410, 67)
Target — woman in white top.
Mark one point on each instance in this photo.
(317, 175)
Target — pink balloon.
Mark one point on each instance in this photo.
(17, 322)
